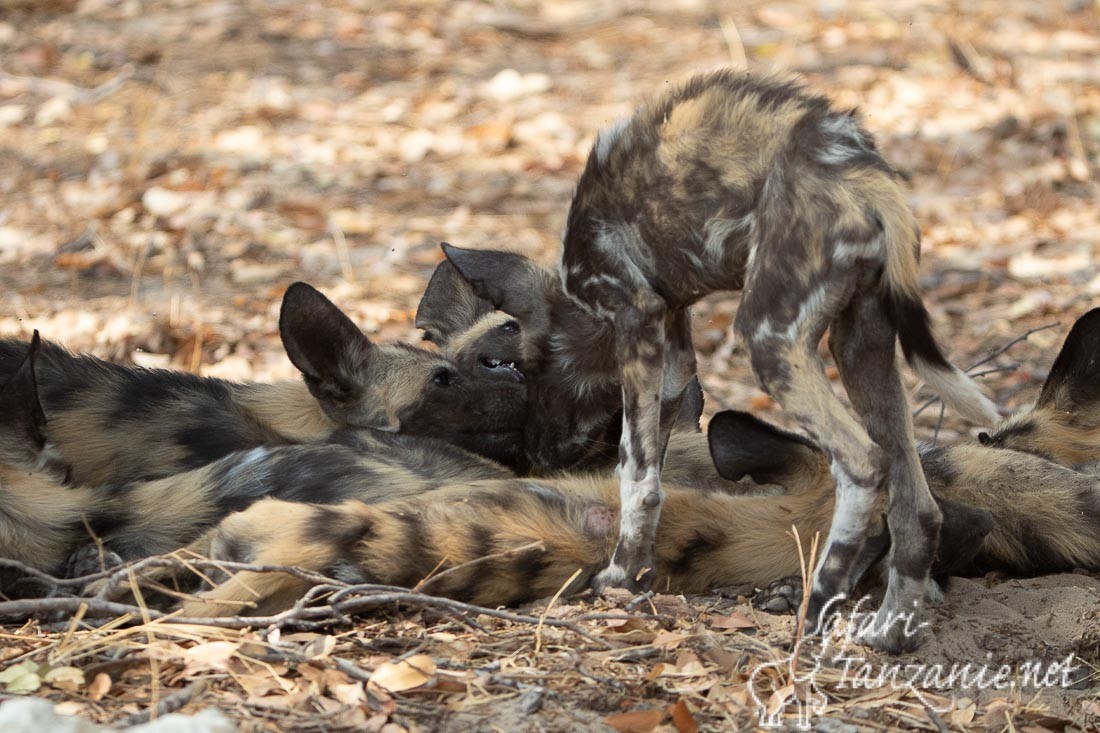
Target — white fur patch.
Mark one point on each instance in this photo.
(637, 520)
(544, 491)
(811, 306)
(959, 391)
(607, 138)
(845, 141)
(625, 250)
(847, 253)
(854, 505)
(246, 463)
(717, 230)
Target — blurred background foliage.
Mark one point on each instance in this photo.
(168, 167)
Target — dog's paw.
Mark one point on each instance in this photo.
(87, 560)
(891, 634)
(781, 596)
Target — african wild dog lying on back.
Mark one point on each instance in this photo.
(114, 424)
(46, 525)
(1037, 514)
(737, 182)
(468, 329)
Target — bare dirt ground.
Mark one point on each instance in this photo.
(168, 167)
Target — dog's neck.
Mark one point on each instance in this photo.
(286, 408)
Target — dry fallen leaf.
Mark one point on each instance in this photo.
(99, 687)
(735, 620)
(69, 707)
(21, 678)
(350, 693)
(65, 678)
(964, 712)
(636, 721)
(682, 718)
(212, 655)
(405, 674)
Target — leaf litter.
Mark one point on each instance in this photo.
(168, 168)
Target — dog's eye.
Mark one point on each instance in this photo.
(442, 378)
(984, 438)
(510, 327)
(428, 336)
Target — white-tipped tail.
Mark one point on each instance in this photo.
(958, 391)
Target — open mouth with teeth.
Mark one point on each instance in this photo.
(505, 368)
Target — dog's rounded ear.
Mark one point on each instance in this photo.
(743, 445)
(513, 283)
(449, 305)
(322, 342)
(1074, 379)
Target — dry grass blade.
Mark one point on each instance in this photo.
(549, 606)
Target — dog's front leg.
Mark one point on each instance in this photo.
(640, 349)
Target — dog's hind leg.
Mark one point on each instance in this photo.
(782, 327)
(862, 342)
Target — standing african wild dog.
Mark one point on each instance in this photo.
(737, 182)
(1037, 514)
(114, 424)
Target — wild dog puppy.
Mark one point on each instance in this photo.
(42, 523)
(114, 424)
(737, 182)
(468, 329)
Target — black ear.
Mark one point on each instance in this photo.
(1074, 378)
(515, 284)
(691, 407)
(23, 420)
(325, 345)
(449, 306)
(743, 445)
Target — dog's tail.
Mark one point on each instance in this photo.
(910, 318)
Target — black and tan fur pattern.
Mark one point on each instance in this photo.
(537, 327)
(737, 182)
(1037, 516)
(1064, 424)
(114, 424)
(62, 530)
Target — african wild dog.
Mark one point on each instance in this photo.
(468, 329)
(1039, 516)
(1064, 424)
(51, 527)
(738, 182)
(1018, 501)
(114, 424)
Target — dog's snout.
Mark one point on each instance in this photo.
(501, 368)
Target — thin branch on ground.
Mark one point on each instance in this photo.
(503, 555)
(370, 597)
(168, 704)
